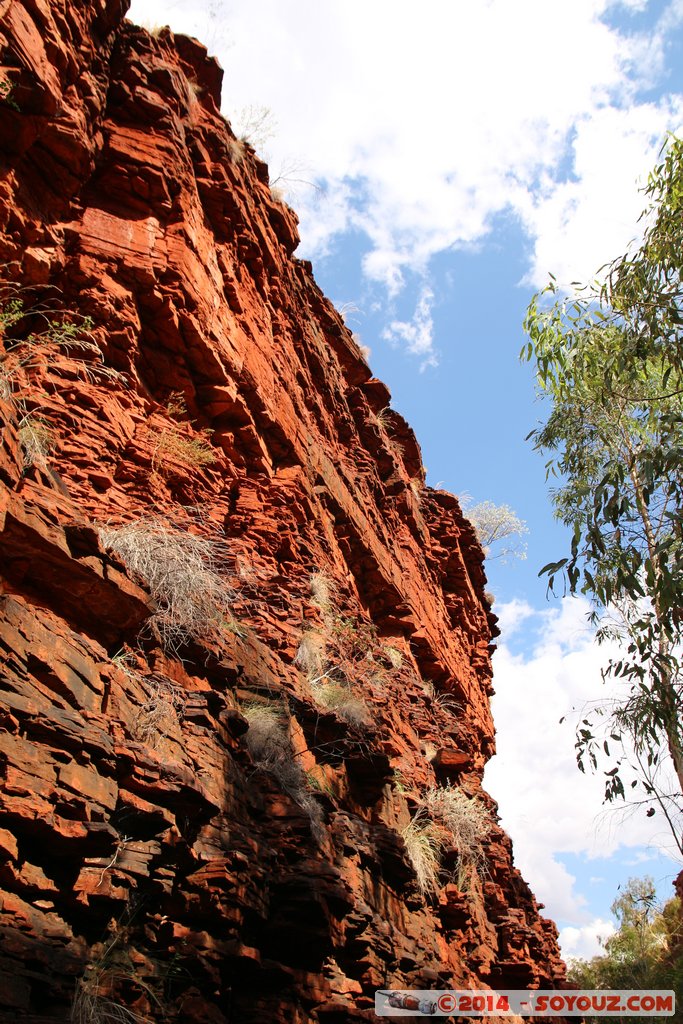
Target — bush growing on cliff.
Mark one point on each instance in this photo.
(424, 842)
(174, 444)
(36, 438)
(339, 697)
(185, 574)
(43, 335)
(64, 332)
(447, 817)
(269, 744)
(498, 529)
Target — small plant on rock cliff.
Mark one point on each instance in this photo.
(236, 150)
(339, 698)
(393, 656)
(321, 587)
(424, 842)
(98, 996)
(447, 702)
(34, 335)
(466, 820)
(162, 710)
(36, 438)
(447, 818)
(269, 744)
(310, 654)
(185, 574)
(175, 444)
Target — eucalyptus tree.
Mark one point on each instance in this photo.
(609, 363)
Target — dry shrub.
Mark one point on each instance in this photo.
(36, 438)
(321, 587)
(340, 699)
(424, 843)
(393, 656)
(160, 713)
(255, 125)
(173, 445)
(311, 654)
(185, 574)
(268, 743)
(447, 817)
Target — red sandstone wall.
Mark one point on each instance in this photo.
(154, 863)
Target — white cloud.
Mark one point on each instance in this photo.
(512, 615)
(581, 224)
(547, 806)
(421, 127)
(418, 333)
(585, 942)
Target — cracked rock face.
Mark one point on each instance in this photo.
(217, 727)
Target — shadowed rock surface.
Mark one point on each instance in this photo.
(208, 826)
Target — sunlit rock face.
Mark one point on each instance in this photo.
(218, 723)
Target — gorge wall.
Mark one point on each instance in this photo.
(207, 817)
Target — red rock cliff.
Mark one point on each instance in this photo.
(208, 771)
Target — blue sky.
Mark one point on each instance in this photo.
(460, 155)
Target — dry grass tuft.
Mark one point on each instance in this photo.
(448, 703)
(160, 713)
(236, 150)
(339, 698)
(393, 656)
(96, 999)
(383, 418)
(322, 588)
(173, 445)
(37, 440)
(311, 654)
(447, 817)
(424, 845)
(269, 745)
(89, 1007)
(185, 574)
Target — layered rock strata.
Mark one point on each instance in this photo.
(210, 766)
